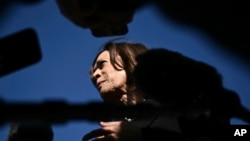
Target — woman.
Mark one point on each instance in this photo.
(112, 75)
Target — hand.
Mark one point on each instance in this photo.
(115, 131)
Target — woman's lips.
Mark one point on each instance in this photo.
(99, 83)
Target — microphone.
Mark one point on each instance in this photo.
(19, 50)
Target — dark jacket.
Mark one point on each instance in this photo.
(158, 124)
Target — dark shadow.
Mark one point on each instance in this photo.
(225, 22)
(192, 91)
(60, 112)
(30, 131)
(6, 5)
(186, 85)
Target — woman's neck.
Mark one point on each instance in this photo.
(135, 98)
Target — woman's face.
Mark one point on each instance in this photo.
(110, 83)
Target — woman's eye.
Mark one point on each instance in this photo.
(101, 64)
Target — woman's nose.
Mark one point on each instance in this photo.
(96, 74)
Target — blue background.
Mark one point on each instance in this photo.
(68, 50)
